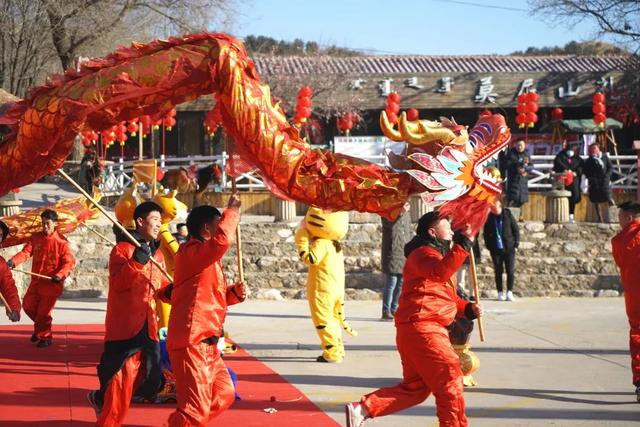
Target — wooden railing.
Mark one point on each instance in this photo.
(117, 175)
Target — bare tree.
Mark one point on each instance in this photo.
(618, 18)
(38, 37)
(25, 50)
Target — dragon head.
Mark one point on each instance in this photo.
(462, 179)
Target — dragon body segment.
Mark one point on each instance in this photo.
(150, 79)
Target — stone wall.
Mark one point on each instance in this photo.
(553, 260)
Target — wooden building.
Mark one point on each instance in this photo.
(458, 86)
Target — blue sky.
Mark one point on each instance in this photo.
(430, 27)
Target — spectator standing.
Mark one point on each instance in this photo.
(182, 234)
(570, 165)
(515, 164)
(502, 238)
(395, 234)
(597, 169)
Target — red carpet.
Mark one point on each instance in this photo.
(47, 387)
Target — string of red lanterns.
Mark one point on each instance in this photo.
(527, 109)
(304, 105)
(393, 107)
(599, 109)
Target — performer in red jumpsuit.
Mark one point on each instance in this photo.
(428, 305)
(131, 330)
(7, 284)
(199, 301)
(626, 253)
(52, 257)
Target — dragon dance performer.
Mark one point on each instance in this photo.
(131, 328)
(7, 284)
(626, 253)
(199, 301)
(428, 305)
(51, 257)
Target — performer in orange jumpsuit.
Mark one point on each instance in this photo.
(7, 284)
(199, 301)
(428, 305)
(131, 328)
(51, 257)
(626, 253)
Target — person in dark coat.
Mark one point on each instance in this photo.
(515, 164)
(395, 234)
(502, 238)
(570, 164)
(597, 169)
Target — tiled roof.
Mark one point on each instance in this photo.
(406, 64)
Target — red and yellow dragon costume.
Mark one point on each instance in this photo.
(150, 79)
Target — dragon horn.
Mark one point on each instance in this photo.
(419, 133)
(388, 128)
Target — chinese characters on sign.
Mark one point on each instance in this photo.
(569, 91)
(524, 86)
(485, 92)
(384, 87)
(444, 85)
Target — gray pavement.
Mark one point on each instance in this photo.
(546, 362)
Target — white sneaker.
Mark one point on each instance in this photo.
(354, 414)
(501, 296)
(510, 296)
(571, 220)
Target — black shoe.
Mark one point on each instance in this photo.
(638, 393)
(386, 316)
(321, 359)
(34, 338)
(44, 343)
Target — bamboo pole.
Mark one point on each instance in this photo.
(31, 273)
(4, 301)
(476, 292)
(238, 242)
(97, 233)
(114, 221)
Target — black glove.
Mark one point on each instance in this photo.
(56, 279)
(14, 315)
(142, 254)
(462, 240)
(468, 312)
(11, 264)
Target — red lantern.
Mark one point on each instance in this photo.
(522, 98)
(532, 107)
(599, 118)
(531, 118)
(304, 102)
(521, 118)
(393, 97)
(532, 97)
(412, 114)
(393, 117)
(392, 108)
(132, 128)
(557, 114)
(599, 108)
(305, 91)
(598, 97)
(522, 108)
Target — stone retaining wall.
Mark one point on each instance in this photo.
(553, 260)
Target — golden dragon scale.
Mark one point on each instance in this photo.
(150, 79)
